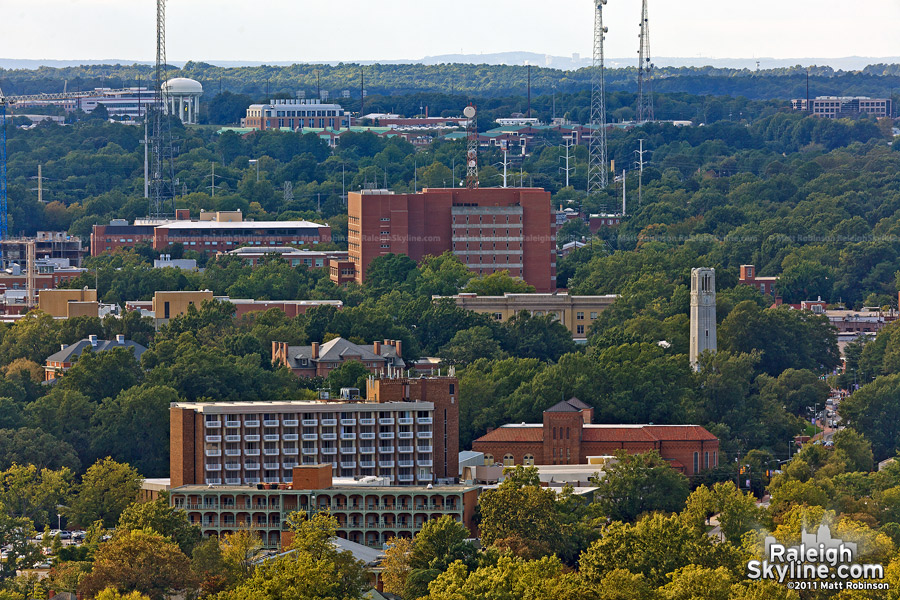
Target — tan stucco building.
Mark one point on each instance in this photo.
(575, 312)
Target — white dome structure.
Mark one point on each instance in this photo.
(183, 98)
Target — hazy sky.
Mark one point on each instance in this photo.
(311, 30)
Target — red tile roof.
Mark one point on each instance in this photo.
(514, 433)
(611, 433)
(679, 432)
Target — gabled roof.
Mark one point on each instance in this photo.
(72, 352)
(563, 406)
(578, 403)
(340, 350)
(515, 433)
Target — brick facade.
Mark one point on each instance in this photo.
(488, 229)
(567, 436)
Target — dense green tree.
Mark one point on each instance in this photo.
(163, 519)
(106, 490)
(640, 483)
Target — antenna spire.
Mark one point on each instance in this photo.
(645, 70)
(162, 176)
(598, 169)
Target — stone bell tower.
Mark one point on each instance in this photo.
(703, 312)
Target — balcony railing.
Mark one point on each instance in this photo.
(367, 449)
(367, 421)
(250, 452)
(310, 451)
(271, 466)
(213, 424)
(291, 422)
(232, 438)
(289, 465)
(329, 422)
(232, 423)
(290, 451)
(290, 437)
(214, 453)
(423, 448)
(348, 422)
(405, 435)
(424, 435)
(348, 465)
(386, 435)
(271, 452)
(310, 422)
(348, 436)
(213, 438)
(405, 477)
(422, 477)
(232, 466)
(251, 423)
(386, 420)
(330, 437)
(213, 481)
(425, 463)
(213, 467)
(367, 464)
(424, 420)
(251, 438)
(310, 437)
(386, 449)
(251, 466)
(405, 449)
(270, 423)
(406, 463)
(348, 450)
(232, 452)
(385, 464)
(271, 437)
(329, 451)
(405, 421)
(232, 481)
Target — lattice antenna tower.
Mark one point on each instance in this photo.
(471, 147)
(162, 166)
(4, 217)
(645, 70)
(598, 164)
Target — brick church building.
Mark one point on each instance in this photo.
(567, 436)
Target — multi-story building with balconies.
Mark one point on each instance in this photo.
(406, 431)
(368, 511)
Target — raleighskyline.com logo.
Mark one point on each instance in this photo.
(819, 562)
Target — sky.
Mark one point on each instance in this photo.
(313, 30)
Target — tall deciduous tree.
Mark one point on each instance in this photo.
(158, 516)
(141, 561)
(640, 483)
(106, 489)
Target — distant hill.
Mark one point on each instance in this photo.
(565, 63)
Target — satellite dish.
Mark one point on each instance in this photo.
(469, 112)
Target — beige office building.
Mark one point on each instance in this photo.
(575, 312)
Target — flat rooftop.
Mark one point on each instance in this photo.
(239, 489)
(239, 225)
(293, 406)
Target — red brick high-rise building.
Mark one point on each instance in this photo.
(488, 229)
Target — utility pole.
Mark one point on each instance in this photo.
(40, 189)
(529, 93)
(567, 169)
(640, 164)
(212, 185)
(505, 146)
(623, 193)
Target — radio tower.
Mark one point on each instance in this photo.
(598, 169)
(645, 70)
(162, 167)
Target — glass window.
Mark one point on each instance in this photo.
(488, 460)
(508, 460)
(528, 460)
